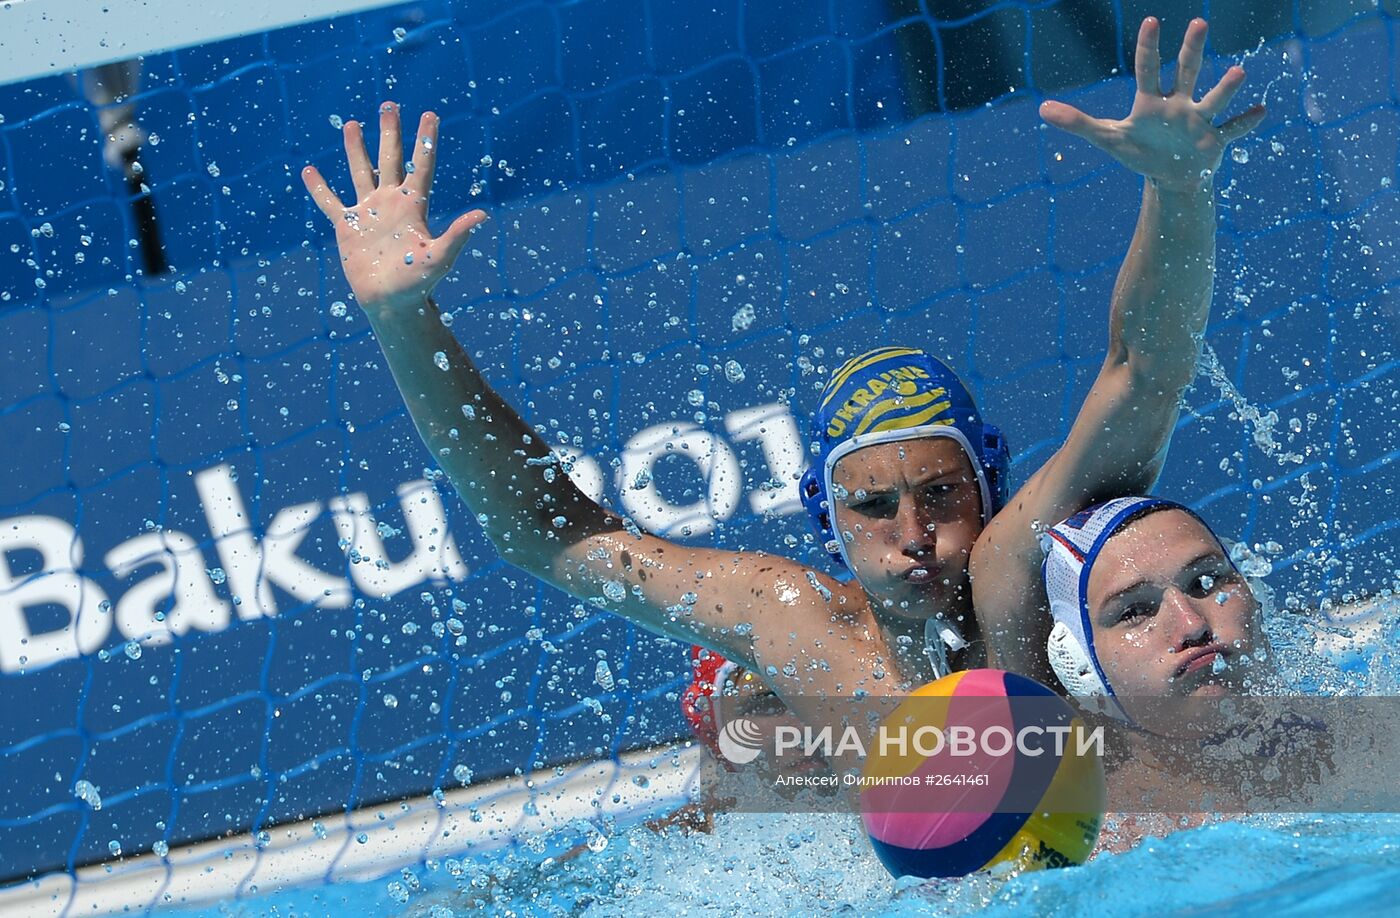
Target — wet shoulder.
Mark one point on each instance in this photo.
(830, 646)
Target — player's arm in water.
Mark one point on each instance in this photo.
(503, 468)
(1160, 304)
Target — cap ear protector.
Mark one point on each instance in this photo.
(819, 512)
(1079, 674)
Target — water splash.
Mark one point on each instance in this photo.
(86, 792)
(1263, 425)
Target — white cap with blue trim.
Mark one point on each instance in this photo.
(1070, 549)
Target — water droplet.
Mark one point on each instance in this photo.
(133, 650)
(85, 792)
(319, 830)
(339, 309)
(115, 847)
(160, 849)
(337, 122)
(603, 676)
(400, 33)
(614, 590)
(734, 371)
(695, 397)
(1240, 155)
(462, 774)
(408, 258)
(440, 360)
(391, 701)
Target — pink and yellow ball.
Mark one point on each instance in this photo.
(943, 796)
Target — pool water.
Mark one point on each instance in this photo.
(802, 865)
(810, 189)
(1275, 865)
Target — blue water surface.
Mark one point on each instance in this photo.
(802, 865)
(822, 863)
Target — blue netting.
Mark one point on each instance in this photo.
(699, 208)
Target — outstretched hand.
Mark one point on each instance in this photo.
(389, 256)
(1167, 137)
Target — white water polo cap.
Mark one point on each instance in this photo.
(1071, 547)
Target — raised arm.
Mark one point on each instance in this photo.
(534, 515)
(1158, 314)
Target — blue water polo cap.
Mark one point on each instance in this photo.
(897, 393)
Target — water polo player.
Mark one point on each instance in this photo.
(1149, 611)
(1118, 442)
(908, 509)
(1147, 603)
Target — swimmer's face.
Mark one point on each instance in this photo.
(1171, 615)
(909, 512)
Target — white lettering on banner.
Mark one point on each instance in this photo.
(57, 583)
(786, 738)
(1003, 738)
(772, 425)
(254, 565)
(583, 470)
(719, 469)
(1090, 742)
(926, 740)
(434, 556)
(182, 577)
(253, 568)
